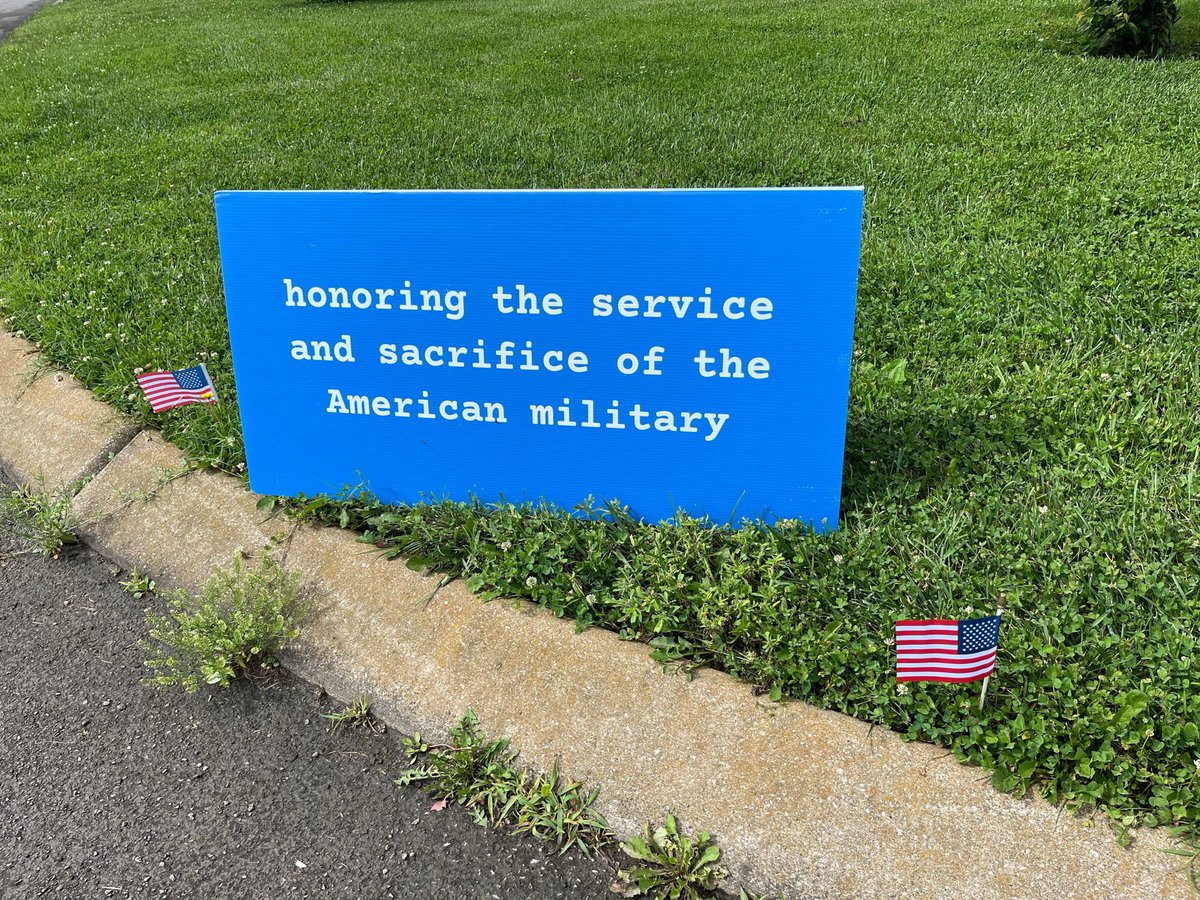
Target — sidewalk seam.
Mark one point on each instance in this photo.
(123, 439)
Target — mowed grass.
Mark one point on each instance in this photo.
(1025, 409)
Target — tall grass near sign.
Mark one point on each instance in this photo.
(1025, 388)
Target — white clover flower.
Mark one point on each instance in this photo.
(530, 581)
(1043, 509)
(902, 689)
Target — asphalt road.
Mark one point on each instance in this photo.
(14, 12)
(112, 789)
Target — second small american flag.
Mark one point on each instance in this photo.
(946, 649)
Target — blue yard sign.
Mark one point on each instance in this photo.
(672, 349)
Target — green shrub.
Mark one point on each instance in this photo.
(241, 620)
(1128, 27)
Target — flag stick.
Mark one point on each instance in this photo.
(1000, 612)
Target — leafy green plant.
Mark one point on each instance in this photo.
(471, 770)
(672, 864)
(357, 714)
(41, 516)
(242, 619)
(1128, 27)
(482, 775)
(559, 811)
(138, 584)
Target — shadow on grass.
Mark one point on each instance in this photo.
(904, 454)
(881, 460)
(1187, 33)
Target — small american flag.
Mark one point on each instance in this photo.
(946, 649)
(166, 390)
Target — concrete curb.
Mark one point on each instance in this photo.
(803, 801)
(51, 427)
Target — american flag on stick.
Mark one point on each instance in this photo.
(166, 390)
(946, 649)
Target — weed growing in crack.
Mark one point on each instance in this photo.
(482, 775)
(471, 770)
(671, 864)
(242, 619)
(356, 715)
(42, 516)
(559, 811)
(139, 584)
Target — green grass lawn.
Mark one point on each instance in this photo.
(1025, 408)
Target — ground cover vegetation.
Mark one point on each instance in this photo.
(1025, 383)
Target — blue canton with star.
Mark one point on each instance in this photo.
(191, 379)
(977, 635)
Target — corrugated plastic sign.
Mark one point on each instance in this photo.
(672, 349)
